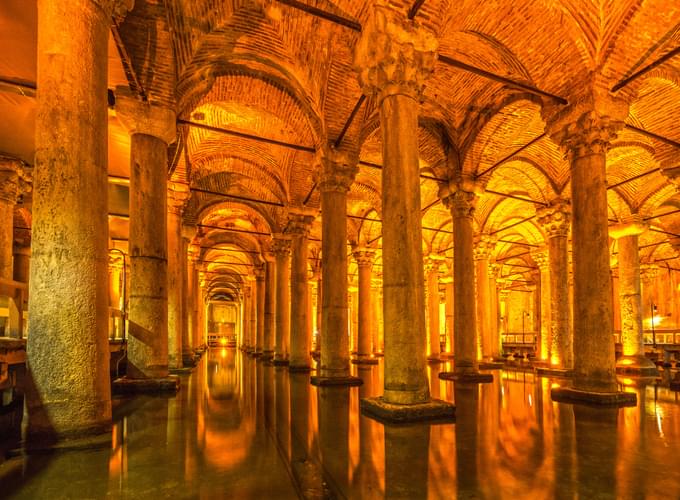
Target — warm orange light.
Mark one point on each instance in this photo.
(554, 385)
(627, 381)
(223, 341)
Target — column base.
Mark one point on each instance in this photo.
(549, 371)
(591, 398)
(365, 361)
(299, 368)
(467, 377)
(638, 366)
(434, 410)
(446, 355)
(490, 365)
(185, 370)
(379, 354)
(280, 362)
(267, 355)
(256, 354)
(434, 359)
(126, 385)
(189, 360)
(336, 381)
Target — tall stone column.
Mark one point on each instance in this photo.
(300, 334)
(448, 282)
(244, 344)
(364, 259)
(116, 266)
(554, 220)
(377, 321)
(178, 194)
(319, 310)
(252, 337)
(335, 178)
(432, 274)
(260, 276)
(193, 295)
(188, 234)
(585, 131)
(482, 249)
(541, 259)
(22, 262)
(281, 249)
(460, 197)
(394, 56)
(68, 354)
(269, 308)
(12, 177)
(633, 361)
(151, 129)
(493, 314)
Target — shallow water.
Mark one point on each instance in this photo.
(240, 429)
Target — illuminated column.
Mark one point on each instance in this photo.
(269, 308)
(68, 352)
(585, 131)
(12, 177)
(352, 303)
(432, 275)
(252, 334)
(151, 129)
(482, 249)
(541, 259)
(300, 335)
(335, 178)
(554, 220)
(281, 249)
(260, 275)
(448, 282)
(188, 234)
(493, 315)
(115, 294)
(245, 315)
(192, 292)
(503, 295)
(394, 56)
(460, 197)
(376, 334)
(22, 262)
(648, 275)
(178, 194)
(633, 360)
(319, 310)
(364, 259)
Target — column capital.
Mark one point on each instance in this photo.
(178, 195)
(648, 272)
(14, 180)
(540, 257)
(633, 225)
(588, 124)
(194, 252)
(336, 171)
(394, 55)
(484, 245)
(281, 245)
(432, 263)
(494, 270)
(364, 257)
(140, 117)
(189, 231)
(259, 272)
(555, 218)
(300, 220)
(460, 196)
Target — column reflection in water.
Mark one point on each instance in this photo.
(564, 454)
(595, 430)
(467, 401)
(306, 470)
(333, 408)
(406, 460)
(632, 440)
(282, 411)
(366, 475)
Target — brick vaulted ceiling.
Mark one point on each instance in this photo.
(268, 69)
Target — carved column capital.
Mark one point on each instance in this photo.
(633, 225)
(140, 117)
(300, 221)
(178, 195)
(460, 196)
(555, 218)
(281, 245)
(588, 124)
(494, 270)
(540, 257)
(336, 171)
(364, 257)
(116, 261)
(14, 180)
(432, 264)
(394, 55)
(484, 245)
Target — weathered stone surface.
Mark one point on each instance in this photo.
(434, 410)
(592, 398)
(151, 385)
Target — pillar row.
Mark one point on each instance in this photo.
(483, 246)
(281, 249)
(542, 262)
(432, 277)
(269, 308)
(364, 258)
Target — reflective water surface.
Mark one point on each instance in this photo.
(242, 429)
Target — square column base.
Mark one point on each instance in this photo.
(490, 365)
(336, 381)
(434, 410)
(591, 398)
(546, 371)
(185, 370)
(379, 354)
(467, 377)
(299, 368)
(434, 359)
(280, 362)
(365, 361)
(124, 385)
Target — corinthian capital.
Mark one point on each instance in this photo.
(460, 196)
(554, 218)
(178, 195)
(588, 124)
(14, 180)
(363, 256)
(300, 221)
(281, 245)
(484, 245)
(337, 170)
(394, 55)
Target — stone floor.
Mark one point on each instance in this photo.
(240, 429)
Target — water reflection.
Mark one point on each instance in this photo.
(240, 428)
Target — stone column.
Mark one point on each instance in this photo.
(541, 259)
(319, 311)
(151, 129)
(585, 131)
(194, 294)
(22, 262)
(648, 275)
(482, 249)
(432, 274)
(394, 56)
(493, 314)
(377, 313)
(12, 177)
(364, 259)
(188, 234)
(633, 360)
(335, 177)
(448, 282)
(281, 249)
(116, 265)
(460, 197)
(300, 335)
(554, 221)
(245, 315)
(68, 352)
(260, 292)
(178, 194)
(252, 336)
(269, 308)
